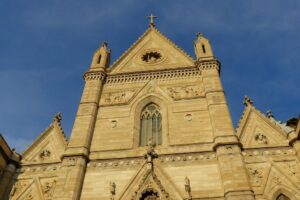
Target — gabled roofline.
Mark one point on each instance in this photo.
(54, 124)
(117, 61)
(245, 116)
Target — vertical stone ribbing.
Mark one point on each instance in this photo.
(76, 155)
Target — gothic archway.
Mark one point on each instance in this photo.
(282, 197)
(149, 194)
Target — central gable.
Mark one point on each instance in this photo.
(152, 51)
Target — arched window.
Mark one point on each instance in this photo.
(151, 127)
(282, 197)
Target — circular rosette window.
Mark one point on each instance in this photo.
(151, 56)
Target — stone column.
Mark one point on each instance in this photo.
(232, 167)
(233, 172)
(70, 183)
(6, 178)
(217, 106)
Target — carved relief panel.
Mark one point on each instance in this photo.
(185, 92)
(117, 98)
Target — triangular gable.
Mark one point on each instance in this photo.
(278, 182)
(48, 147)
(256, 130)
(146, 180)
(152, 51)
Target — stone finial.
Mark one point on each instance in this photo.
(58, 117)
(104, 44)
(199, 34)
(187, 186)
(269, 114)
(203, 49)
(247, 101)
(101, 58)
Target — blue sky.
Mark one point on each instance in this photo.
(47, 45)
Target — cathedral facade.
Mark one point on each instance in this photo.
(155, 125)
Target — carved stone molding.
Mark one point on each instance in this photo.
(99, 75)
(117, 98)
(186, 157)
(254, 153)
(186, 92)
(207, 65)
(184, 73)
(18, 188)
(45, 154)
(256, 175)
(115, 163)
(156, 187)
(29, 196)
(39, 168)
(69, 161)
(48, 188)
(261, 138)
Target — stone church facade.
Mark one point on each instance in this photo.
(155, 125)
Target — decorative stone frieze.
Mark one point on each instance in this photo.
(116, 163)
(185, 73)
(256, 175)
(186, 157)
(39, 168)
(96, 75)
(117, 98)
(254, 153)
(185, 92)
(207, 65)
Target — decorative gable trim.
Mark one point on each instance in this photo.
(135, 44)
(60, 135)
(248, 111)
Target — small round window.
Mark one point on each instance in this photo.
(151, 57)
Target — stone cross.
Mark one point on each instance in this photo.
(152, 17)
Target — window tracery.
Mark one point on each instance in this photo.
(151, 125)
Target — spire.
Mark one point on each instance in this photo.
(101, 58)
(151, 17)
(203, 48)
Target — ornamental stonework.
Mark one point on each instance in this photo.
(117, 98)
(185, 92)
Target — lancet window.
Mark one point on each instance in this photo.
(151, 125)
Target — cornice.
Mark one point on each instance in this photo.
(187, 72)
(209, 64)
(94, 75)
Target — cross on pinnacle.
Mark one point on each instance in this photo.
(152, 17)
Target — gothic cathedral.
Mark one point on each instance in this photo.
(155, 125)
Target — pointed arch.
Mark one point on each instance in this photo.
(282, 197)
(150, 125)
(138, 107)
(283, 192)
